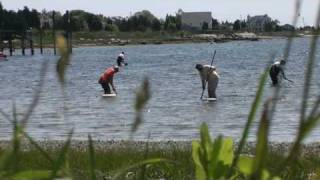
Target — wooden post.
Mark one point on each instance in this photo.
(54, 32)
(70, 37)
(1, 42)
(31, 47)
(10, 45)
(69, 33)
(41, 33)
(31, 43)
(23, 45)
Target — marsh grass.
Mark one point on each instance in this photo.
(209, 159)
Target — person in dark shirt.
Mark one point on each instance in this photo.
(277, 72)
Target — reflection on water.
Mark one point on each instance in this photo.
(174, 111)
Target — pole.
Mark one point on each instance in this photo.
(23, 44)
(69, 33)
(54, 32)
(31, 43)
(41, 33)
(10, 44)
(214, 54)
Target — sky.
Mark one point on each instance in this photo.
(222, 10)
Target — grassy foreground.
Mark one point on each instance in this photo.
(111, 158)
(209, 158)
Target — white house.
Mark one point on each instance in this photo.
(257, 23)
(195, 20)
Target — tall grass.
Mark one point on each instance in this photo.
(217, 158)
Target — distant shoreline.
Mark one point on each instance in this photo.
(95, 39)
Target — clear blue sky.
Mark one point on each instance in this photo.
(221, 9)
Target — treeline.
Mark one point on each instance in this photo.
(80, 20)
(85, 21)
(20, 20)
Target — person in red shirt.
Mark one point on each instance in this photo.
(106, 79)
(2, 55)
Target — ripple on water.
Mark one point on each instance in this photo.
(174, 111)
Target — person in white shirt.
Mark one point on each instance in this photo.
(208, 74)
(120, 60)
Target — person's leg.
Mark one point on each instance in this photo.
(106, 88)
(212, 86)
(119, 61)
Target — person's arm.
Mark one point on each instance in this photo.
(282, 73)
(112, 85)
(204, 76)
(284, 76)
(203, 84)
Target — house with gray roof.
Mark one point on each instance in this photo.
(258, 23)
(195, 20)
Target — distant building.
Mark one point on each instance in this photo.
(287, 27)
(195, 20)
(258, 23)
(46, 19)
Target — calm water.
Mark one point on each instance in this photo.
(175, 111)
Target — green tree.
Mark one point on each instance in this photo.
(156, 25)
(143, 20)
(12, 21)
(215, 24)
(34, 19)
(237, 25)
(205, 26)
(94, 22)
(172, 27)
(111, 27)
(1, 15)
(170, 21)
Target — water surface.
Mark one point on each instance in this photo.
(174, 111)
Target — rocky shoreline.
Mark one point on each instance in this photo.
(310, 149)
(81, 41)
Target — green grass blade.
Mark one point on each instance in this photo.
(64, 60)
(6, 116)
(309, 125)
(200, 172)
(38, 147)
(306, 125)
(252, 114)
(262, 144)
(223, 158)
(16, 140)
(286, 54)
(206, 143)
(309, 69)
(245, 165)
(213, 161)
(36, 96)
(146, 154)
(315, 107)
(92, 159)
(26, 135)
(62, 157)
(142, 97)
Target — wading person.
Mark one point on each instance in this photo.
(120, 60)
(277, 72)
(208, 75)
(106, 79)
